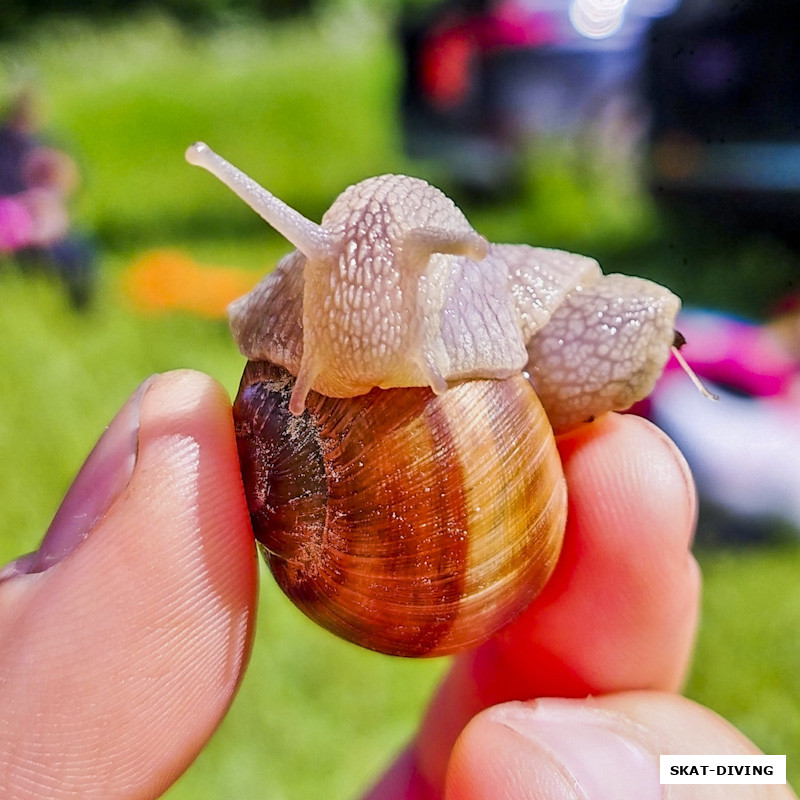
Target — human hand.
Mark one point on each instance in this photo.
(124, 638)
(613, 630)
(121, 651)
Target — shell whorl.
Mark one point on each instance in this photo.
(410, 523)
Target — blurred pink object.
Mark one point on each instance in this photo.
(744, 451)
(48, 213)
(16, 225)
(744, 356)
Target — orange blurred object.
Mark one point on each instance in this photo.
(168, 280)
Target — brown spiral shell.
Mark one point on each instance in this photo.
(409, 523)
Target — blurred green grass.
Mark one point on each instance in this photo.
(307, 109)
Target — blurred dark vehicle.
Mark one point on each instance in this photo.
(486, 80)
(723, 83)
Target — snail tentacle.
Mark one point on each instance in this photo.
(421, 243)
(311, 239)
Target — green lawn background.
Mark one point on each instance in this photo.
(306, 109)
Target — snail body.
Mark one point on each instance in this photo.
(395, 420)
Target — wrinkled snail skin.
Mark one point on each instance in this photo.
(395, 417)
(602, 349)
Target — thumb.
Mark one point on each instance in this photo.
(604, 748)
(124, 637)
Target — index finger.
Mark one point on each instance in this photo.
(620, 611)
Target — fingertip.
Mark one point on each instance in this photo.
(671, 724)
(627, 466)
(187, 429)
(593, 749)
(551, 751)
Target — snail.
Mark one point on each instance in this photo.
(395, 419)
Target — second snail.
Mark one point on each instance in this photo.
(395, 420)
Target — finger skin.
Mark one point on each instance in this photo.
(619, 613)
(539, 749)
(622, 609)
(118, 663)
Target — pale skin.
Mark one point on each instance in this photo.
(92, 669)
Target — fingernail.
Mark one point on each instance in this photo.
(103, 477)
(599, 761)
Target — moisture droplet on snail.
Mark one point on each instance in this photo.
(396, 416)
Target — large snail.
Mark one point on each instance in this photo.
(400, 470)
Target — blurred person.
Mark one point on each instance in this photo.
(124, 637)
(36, 182)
